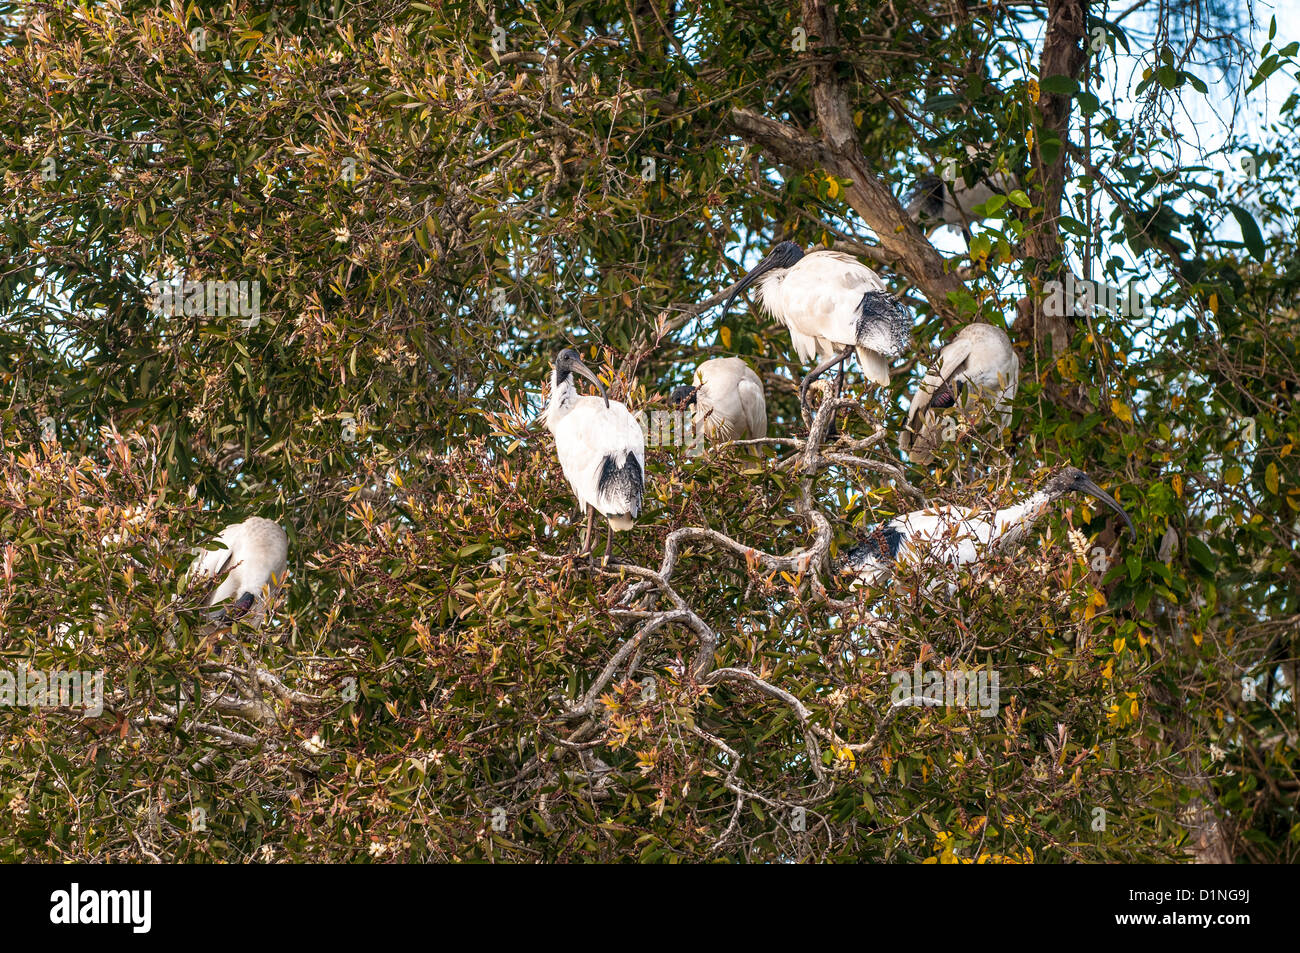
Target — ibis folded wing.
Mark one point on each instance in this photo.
(820, 301)
(952, 361)
(602, 454)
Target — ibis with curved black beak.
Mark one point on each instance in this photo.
(832, 305)
(254, 561)
(601, 448)
(947, 535)
(980, 359)
(727, 398)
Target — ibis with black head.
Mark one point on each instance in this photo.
(833, 306)
(947, 535)
(979, 362)
(726, 400)
(253, 559)
(601, 447)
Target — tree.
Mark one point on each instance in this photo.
(425, 202)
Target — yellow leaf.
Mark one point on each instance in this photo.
(832, 187)
(1120, 410)
(725, 334)
(1270, 477)
(1214, 304)
(1177, 481)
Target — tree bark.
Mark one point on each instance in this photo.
(837, 151)
(1064, 54)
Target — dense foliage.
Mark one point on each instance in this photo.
(434, 197)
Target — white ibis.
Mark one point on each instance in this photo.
(980, 358)
(832, 305)
(934, 203)
(256, 557)
(947, 535)
(728, 399)
(601, 449)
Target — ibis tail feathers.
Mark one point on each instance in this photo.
(620, 490)
(875, 366)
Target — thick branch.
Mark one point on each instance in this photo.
(1064, 54)
(838, 152)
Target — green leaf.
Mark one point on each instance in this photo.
(1060, 85)
(1202, 554)
(944, 102)
(1250, 234)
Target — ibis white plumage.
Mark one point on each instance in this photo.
(728, 402)
(948, 535)
(601, 448)
(255, 563)
(832, 305)
(980, 359)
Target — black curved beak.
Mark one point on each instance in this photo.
(585, 371)
(1085, 485)
(766, 265)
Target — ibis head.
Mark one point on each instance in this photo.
(682, 396)
(782, 256)
(946, 395)
(1074, 480)
(238, 610)
(567, 363)
(925, 201)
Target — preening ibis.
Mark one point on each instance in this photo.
(256, 554)
(947, 535)
(934, 203)
(601, 449)
(832, 305)
(980, 358)
(727, 397)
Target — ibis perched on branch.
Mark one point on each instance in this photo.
(979, 359)
(601, 449)
(254, 562)
(934, 202)
(727, 397)
(832, 305)
(947, 535)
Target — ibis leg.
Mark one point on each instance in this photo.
(586, 537)
(818, 371)
(609, 542)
